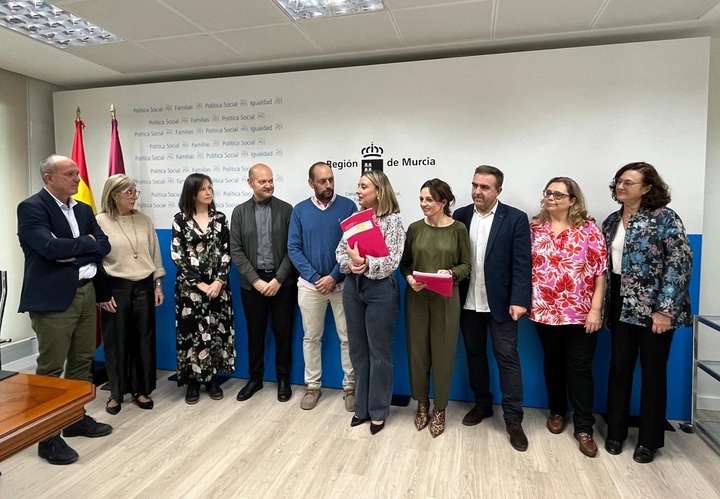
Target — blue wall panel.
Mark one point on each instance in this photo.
(679, 366)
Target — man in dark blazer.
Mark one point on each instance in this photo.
(494, 297)
(63, 279)
(268, 280)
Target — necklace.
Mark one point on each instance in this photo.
(134, 248)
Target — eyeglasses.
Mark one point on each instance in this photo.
(557, 196)
(133, 193)
(626, 183)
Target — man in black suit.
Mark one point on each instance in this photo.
(64, 247)
(496, 295)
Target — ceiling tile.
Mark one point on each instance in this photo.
(408, 4)
(523, 17)
(352, 33)
(126, 58)
(220, 15)
(639, 12)
(133, 19)
(193, 50)
(269, 42)
(462, 22)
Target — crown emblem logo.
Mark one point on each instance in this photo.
(372, 151)
(372, 158)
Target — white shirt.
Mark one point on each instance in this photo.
(480, 225)
(89, 270)
(616, 249)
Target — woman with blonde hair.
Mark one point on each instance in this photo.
(371, 302)
(569, 260)
(135, 268)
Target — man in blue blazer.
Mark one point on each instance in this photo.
(64, 247)
(494, 297)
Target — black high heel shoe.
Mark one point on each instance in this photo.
(376, 428)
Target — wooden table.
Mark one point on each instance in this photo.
(33, 408)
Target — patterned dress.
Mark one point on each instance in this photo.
(205, 330)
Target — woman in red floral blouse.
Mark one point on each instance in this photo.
(569, 259)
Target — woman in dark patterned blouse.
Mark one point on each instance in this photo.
(646, 299)
(203, 306)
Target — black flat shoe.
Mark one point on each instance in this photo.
(112, 409)
(356, 421)
(192, 395)
(147, 405)
(376, 428)
(613, 447)
(643, 455)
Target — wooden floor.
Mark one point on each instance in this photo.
(262, 448)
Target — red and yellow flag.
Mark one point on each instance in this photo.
(84, 193)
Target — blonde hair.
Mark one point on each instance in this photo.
(387, 202)
(577, 213)
(117, 184)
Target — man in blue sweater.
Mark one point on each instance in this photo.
(313, 236)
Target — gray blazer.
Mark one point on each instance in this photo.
(243, 242)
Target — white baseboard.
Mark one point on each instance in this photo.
(707, 403)
(19, 355)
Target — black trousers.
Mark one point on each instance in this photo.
(129, 338)
(569, 352)
(629, 340)
(504, 339)
(281, 309)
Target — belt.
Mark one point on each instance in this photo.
(266, 271)
(83, 282)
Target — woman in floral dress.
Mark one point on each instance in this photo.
(569, 260)
(203, 305)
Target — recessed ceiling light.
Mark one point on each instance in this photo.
(312, 9)
(50, 24)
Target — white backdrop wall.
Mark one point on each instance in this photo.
(581, 112)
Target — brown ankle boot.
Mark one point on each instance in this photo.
(437, 425)
(421, 418)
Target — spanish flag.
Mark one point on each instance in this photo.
(78, 156)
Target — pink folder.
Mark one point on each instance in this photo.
(361, 228)
(439, 283)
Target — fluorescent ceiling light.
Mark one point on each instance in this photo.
(50, 24)
(311, 9)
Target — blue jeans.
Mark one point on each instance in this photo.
(371, 308)
(504, 339)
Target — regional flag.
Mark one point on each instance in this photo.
(116, 165)
(84, 193)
